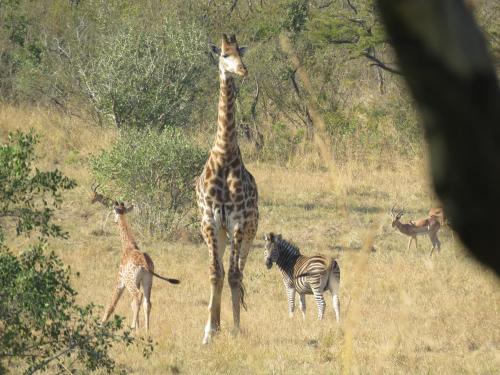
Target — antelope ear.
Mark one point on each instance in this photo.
(128, 209)
(215, 49)
(242, 50)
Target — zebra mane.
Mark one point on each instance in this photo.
(287, 248)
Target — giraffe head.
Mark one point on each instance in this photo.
(120, 210)
(230, 56)
(271, 252)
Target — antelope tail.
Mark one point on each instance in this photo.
(171, 281)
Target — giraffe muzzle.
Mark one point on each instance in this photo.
(242, 71)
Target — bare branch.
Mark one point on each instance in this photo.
(379, 63)
(352, 7)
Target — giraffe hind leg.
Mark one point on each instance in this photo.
(239, 252)
(136, 305)
(147, 285)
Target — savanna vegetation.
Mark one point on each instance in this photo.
(124, 93)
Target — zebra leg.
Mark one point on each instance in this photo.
(291, 301)
(320, 301)
(303, 305)
(216, 241)
(336, 307)
(333, 286)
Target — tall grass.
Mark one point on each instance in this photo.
(402, 312)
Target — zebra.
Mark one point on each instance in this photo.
(304, 274)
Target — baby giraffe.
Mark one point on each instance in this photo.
(136, 270)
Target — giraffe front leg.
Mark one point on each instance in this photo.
(291, 301)
(112, 305)
(320, 302)
(216, 244)
(303, 305)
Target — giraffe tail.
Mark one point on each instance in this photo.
(242, 296)
(171, 281)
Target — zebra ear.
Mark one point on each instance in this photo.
(278, 237)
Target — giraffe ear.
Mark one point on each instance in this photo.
(242, 50)
(215, 49)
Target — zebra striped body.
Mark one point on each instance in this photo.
(304, 274)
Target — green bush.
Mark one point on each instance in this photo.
(154, 170)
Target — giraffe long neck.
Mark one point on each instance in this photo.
(128, 240)
(226, 144)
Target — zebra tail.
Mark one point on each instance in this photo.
(335, 269)
(171, 281)
(242, 296)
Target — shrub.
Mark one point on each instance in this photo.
(140, 77)
(27, 194)
(154, 170)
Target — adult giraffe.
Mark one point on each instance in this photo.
(227, 195)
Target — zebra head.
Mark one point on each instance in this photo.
(271, 251)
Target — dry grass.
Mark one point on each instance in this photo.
(402, 312)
